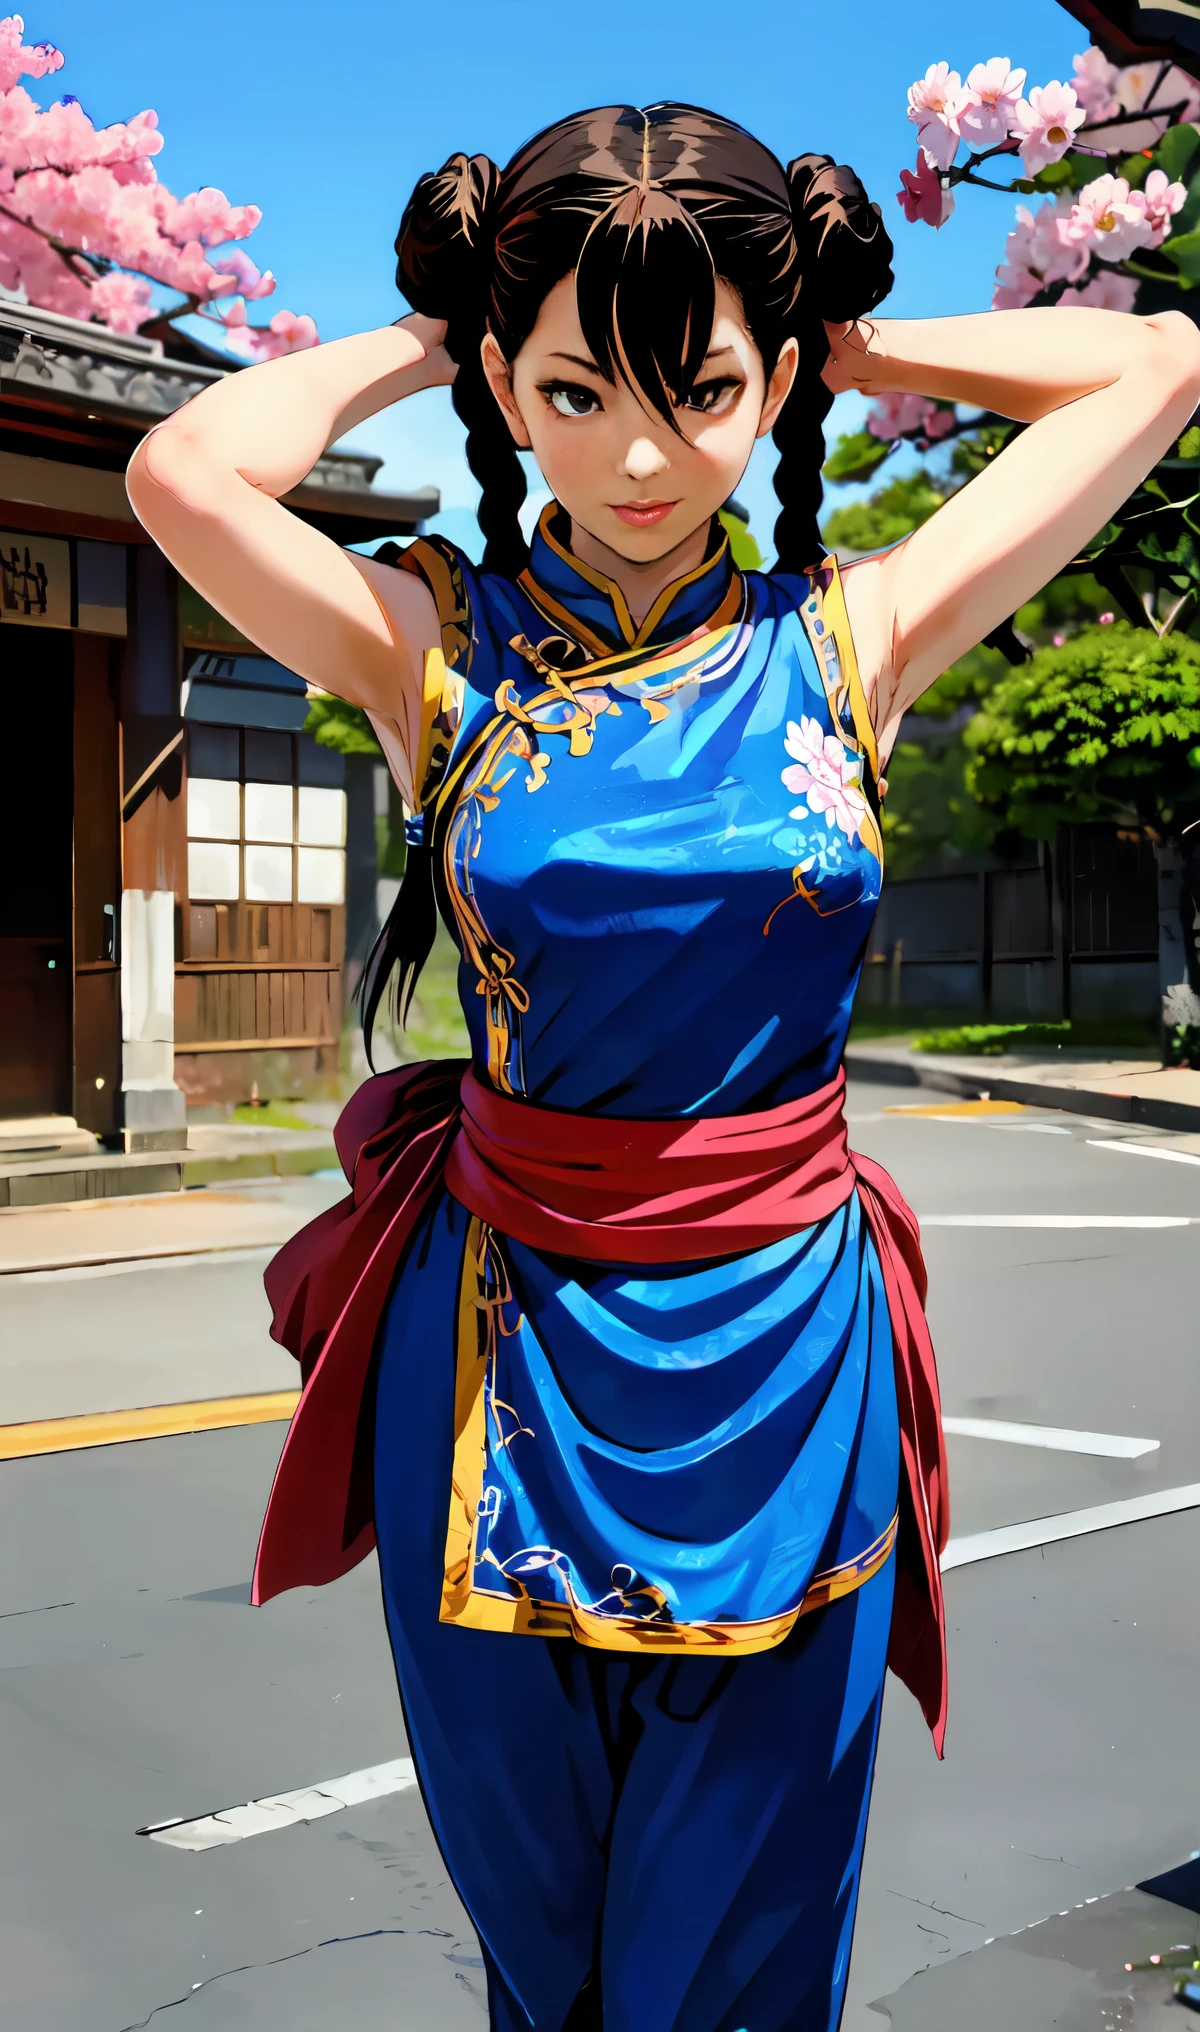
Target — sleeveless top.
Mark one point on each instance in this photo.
(658, 850)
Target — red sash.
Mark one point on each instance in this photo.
(605, 1190)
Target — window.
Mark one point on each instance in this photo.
(260, 839)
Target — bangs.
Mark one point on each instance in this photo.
(645, 289)
(647, 209)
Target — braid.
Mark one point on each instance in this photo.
(799, 438)
(845, 256)
(494, 461)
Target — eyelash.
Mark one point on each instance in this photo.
(717, 388)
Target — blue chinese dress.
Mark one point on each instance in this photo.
(657, 848)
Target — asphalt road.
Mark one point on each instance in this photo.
(136, 1685)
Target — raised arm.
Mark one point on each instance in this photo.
(206, 485)
(1105, 395)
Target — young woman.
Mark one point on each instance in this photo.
(614, 1348)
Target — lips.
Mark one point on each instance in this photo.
(643, 514)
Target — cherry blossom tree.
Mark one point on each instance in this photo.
(87, 229)
(1108, 170)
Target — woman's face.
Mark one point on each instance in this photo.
(607, 456)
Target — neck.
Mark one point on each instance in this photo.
(641, 584)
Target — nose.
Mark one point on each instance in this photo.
(643, 459)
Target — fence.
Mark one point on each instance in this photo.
(1073, 932)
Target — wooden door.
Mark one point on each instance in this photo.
(36, 799)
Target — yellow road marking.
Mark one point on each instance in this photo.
(153, 1421)
(963, 1108)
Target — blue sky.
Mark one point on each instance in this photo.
(325, 117)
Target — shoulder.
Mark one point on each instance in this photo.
(449, 578)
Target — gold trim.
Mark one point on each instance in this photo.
(559, 616)
(838, 621)
(671, 592)
(608, 587)
(475, 1608)
(636, 637)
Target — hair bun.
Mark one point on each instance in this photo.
(443, 248)
(845, 249)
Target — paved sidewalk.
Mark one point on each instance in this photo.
(1083, 1083)
(134, 1229)
(215, 1152)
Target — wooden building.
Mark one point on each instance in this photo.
(173, 845)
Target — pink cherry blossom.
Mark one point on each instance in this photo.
(1136, 87)
(1110, 219)
(16, 62)
(923, 195)
(1039, 250)
(990, 97)
(122, 302)
(88, 229)
(246, 277)
(1162, 200)
(933, 108)
(1095, 84)
(895, 415)
(1047, 122)
(826, 773)
(286, 333)
(1106, 291)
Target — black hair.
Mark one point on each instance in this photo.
(648, 209)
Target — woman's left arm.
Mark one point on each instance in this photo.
(1105, 395)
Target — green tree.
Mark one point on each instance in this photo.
(1108, 727)
(1105, 727)
(894, 512)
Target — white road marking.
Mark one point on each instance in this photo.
(1071, 1524)
(1010, 1433)
(285, 1809)
(1059, 1220)
(1143, 1150)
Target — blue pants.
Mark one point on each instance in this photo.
(643, 1844)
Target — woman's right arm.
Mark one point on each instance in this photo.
(206, 484)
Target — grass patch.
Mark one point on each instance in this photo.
(869, 1025)
(435, 1027)
(992, 1040)
(270, 1115)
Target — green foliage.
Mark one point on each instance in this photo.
(344, 727)
(976, 448)
(742, 546)
(1071, 173)
(931, 822)
(1102, 728)
(895, 511)
(855, 456)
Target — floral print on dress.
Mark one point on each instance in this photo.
(827, 774)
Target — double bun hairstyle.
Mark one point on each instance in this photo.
(648, 208)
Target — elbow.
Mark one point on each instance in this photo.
(166, 472)
(1177, 347)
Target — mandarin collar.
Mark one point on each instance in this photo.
(575, 595)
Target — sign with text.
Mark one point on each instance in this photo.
(35, 580)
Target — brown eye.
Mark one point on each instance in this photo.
(708, 396)
(567, 399)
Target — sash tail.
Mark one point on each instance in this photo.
(329, 1288)
(917, 1650)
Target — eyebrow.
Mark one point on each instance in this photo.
(590, 367)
